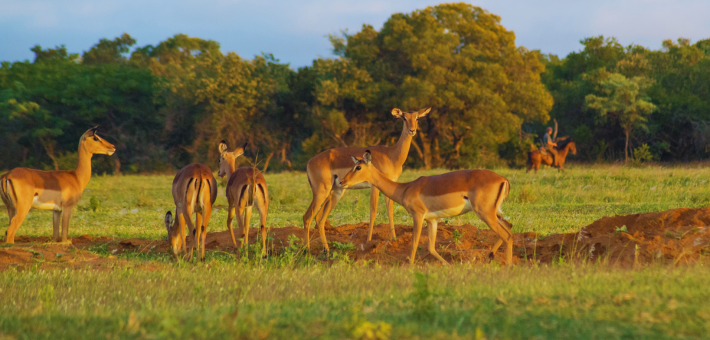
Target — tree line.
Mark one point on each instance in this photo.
(168, 105)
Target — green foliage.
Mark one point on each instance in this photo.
(621, 229)
(422, 298)
(643, 153)
(342, 246)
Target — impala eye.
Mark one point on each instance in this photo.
(357, 167)
(96, 138)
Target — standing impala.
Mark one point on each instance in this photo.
(246, 187)
(58, 191)
(194, 191)
(432, 197)
(327, 166)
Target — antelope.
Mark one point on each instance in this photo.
(432, 197)
(564, 146)
(324, 169)
(59, 191)
(246, 187)
(194, 191)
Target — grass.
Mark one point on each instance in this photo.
(149, 296)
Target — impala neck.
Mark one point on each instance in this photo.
(398, 154)
(393, 190)
(232, 168)
(83, 168)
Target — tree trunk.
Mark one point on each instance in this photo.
(116, 166)
(626, 149)
(266, 163)
(49, 149)
(426, 150)
(284, 159)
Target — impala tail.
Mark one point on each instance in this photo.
(6, 192)
(502, 195)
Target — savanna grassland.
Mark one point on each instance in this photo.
(149, 296)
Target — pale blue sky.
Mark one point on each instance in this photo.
(295, 31)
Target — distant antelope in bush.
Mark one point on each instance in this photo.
(432, 197)
(59, 191)
(246, 187)
(194, 191)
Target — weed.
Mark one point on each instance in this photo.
(422, 298)
(342, 246)
(622, 229)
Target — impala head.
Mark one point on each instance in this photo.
(173, 238)
(227, 159)
(361, 172)
(411, 123)
(94, 144)
(572, 147)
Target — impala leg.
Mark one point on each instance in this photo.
(432, 224)
(390, 215)
(56, 223)
(504, 233)
(262, 208)
(247, 223)
(319, 196)
(199, 227)
(335, 196)
(21, 212)
(416, 232)
(66, 215)
(191, 230)
(207, 215)
(230, 218)
(374, 197)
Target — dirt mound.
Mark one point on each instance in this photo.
(673, 236)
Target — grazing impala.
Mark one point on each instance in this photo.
(58, 191)
(246, 187)
(324, 168)
(194, 191)
(432, 197)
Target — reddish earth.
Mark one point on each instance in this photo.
(673, 236)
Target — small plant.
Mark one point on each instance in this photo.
(342, 246)
(94, 204)
(526, 195)
(457, 236)
(422, 297)
(643, 153)
(622, 229)
(366, 330)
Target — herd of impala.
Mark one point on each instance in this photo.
(330, 173)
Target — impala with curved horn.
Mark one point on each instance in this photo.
(324, 169)
(194, 191)
(59, 191)
(246, 187)
(429, 198)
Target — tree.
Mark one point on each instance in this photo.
(457, 58)
(109, 51)
(623, 98)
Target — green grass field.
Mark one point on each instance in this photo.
(152, 298)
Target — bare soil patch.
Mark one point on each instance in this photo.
(672, 236)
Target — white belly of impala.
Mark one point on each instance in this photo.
(448, 212)
(36, 204)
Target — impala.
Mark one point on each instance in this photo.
(194, 191)
(246, 187)
(59, 191)
(432, 197)
(327, 166)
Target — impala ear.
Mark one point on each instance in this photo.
(423, 112)
(367, 157)
(222, 147)
(240, 150)
(354, 159)
(397, 113)
(91, 132)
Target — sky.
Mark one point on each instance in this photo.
(295, 32)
